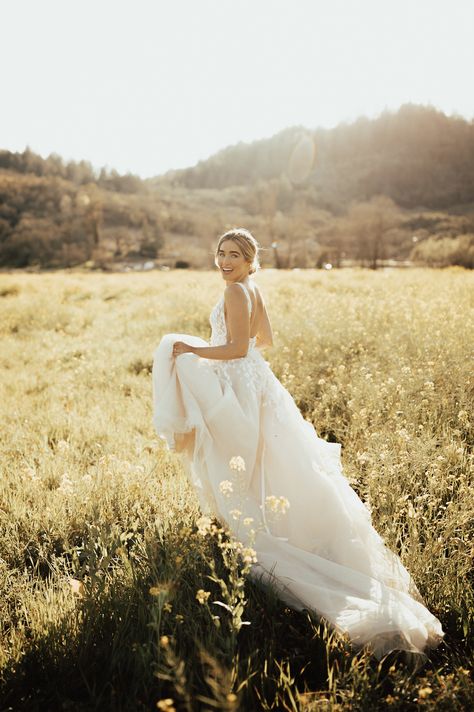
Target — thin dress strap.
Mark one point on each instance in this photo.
(247, 295)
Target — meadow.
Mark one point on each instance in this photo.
(105, 575)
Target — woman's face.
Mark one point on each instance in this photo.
(231, 262)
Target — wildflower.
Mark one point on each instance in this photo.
(179, 618)
(203, 525)
(226, 487)
(237, 463)
(202, 596)
(321, 382)
(248, 521)
(424, 692)
(279, 505)
(235, 513)
(249, 555)
(164, 641)
(403, 434)
(166, 705)
(77, 587)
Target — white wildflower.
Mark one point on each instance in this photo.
(403, 434)
(235, 513)
(203, 525)
(249, 555)
(226, 487)
(278, 505)
(237, 463)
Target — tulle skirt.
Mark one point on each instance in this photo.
(313, 536)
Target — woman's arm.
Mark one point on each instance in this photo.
(238, 328)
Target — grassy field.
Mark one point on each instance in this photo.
(100, 555)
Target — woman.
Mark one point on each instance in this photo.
(260, 467)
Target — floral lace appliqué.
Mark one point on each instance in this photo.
(251, 369)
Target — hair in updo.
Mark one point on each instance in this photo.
(247, 243)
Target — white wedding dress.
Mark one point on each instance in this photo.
(323, 553)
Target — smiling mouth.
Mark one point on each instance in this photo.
(226, 270)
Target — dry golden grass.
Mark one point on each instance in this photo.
(99, 554)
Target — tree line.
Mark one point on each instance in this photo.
(417, 156)
(400, 187)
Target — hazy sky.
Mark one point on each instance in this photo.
(149, 85)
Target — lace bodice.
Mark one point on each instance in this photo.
(250, 371)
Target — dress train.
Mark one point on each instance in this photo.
(322, 553)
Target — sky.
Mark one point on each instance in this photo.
(145, 86)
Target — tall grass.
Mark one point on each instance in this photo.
(107, 581)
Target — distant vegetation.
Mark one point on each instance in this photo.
(400, 187)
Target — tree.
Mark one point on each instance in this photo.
(368, 223)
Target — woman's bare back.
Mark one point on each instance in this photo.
(259, 321)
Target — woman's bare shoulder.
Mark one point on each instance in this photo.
(234, 295)
(233, 288)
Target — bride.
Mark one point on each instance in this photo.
(259, 467)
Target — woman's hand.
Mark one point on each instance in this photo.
(179, 347)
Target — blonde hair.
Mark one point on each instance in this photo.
(247, 243)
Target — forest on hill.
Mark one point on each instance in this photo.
(399, 187)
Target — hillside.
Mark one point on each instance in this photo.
(394, 188)
(417, 157)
